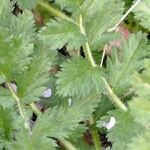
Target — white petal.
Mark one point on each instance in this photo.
(47, 93)
(14, 87)
(111, 123)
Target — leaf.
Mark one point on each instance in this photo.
(5, 98)
(74, 81)
(6, 124)
(60, 32)
(104, 106)
(32, 82)
(77, 133)
(126, 62)
(14, 54)
(60, 123)
(125, 129)
(107, 15)
(70, 6)
(26, 141)
(142, 101)
(140, 142)
(26, 4)
(142, 13)
(23, 25)
(143, 107)
(5, 13)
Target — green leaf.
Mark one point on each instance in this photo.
(107, 15)
(77, 133)
(5, 98)
(70, 6)
(125, 129)
(142, 13)
(6, 124)
(140, 142)
(140, 108)
(23, 25)
(32, 82)
(141, 82)
(60, 123)
(26, 4)
(140, 105)
(14, 54)
(60, 32)
(126, 62)
(26, 141)
(5, 13)
(104, 106)
(76, 81)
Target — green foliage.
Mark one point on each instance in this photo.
(61, 32)
(141, 142)
(59, 123)
(126, 62)
(14, 54)
(6, 124)
(5, 12)
(68, 83)
(125, 129)
(58, 56)
(26, 141)
(103, 19)
(142, 100)
(26, 4)
(142, 13)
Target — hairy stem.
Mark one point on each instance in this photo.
(125, 15)
(95, 136)
(114, 97)
(35, 109)
(67, 145)
(86, 46)
(20, 106)
(96, 140)
(54, 11)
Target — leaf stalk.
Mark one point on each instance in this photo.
(20, 107)
(86, 46)
(114, 97)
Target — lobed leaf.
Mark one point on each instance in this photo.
(60, 32)
(125, 129)
(142, 13)
(134, 51)
(76, 81)
(60, 123)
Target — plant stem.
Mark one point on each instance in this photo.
(114, 97)
(20, 107)
(125, 15)
(35, 109)
(95, 136)
(54, 11)
(86, 46)
(67, 145)
(104, 51)
(96, 140)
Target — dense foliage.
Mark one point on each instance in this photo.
(67, 69)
